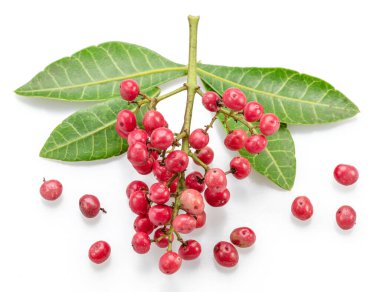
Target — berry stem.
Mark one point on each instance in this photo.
(192, 87)
(237, 118)
(214, 118)
(197, 160)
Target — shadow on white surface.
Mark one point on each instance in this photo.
(102, 266)
(299, 223)
(225, 270)
(91, 221)
(53, 204)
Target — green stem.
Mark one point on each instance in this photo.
(238, 118)
(192, 87)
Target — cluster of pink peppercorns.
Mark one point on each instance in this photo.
(344, 174)
(90, 207)
(174, 205)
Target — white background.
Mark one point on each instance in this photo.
(43, 246)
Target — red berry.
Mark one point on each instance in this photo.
(99, 252)
(235, 140)
(177, 161)
(192, 202)
(138, 154)
(302, 208)
(346, 174)
(174, 185)
(129, 89)
(136, 185)
(256, 144)
(143, 224)
(217, 199)
(138, 203)
(153, 153)
(184, 223)
(137, 135)
(170, 263)
(190, 250)
(161, 138)
(346, 217)
(240, 167)
(51, 189)
(145, 168)
(201, 220)
(159, 193)
(234, 99)
(160, 171)
(160, 214)
(269, 124)
(89, 205)
(226, 254)
(121, 132)
(141, 242)
(198, 139)
(206, 155)
(243, 237)
(216, 180)
(194, 180)
(210, 101)
(164, 241)
(253, 111)
(126, 121)
(153, 120)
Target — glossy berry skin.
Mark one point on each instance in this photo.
(51, 189)
(164, 241)
(153, 153)
(161, 138)
(201, 220)
(138, 154)
(126, 121)
(256, 144)
(99, 252)
(170, 263)
(240, 167)
(346, 174)
(302, 208)
(160, 171)
(206, 155)
(217, 199)
(236, 139)
(243, 237)
(216, 180)
(177, 161)
(136, 185)
(89, 205)
(137, 135)
(153, 120)
(138, 203)
(184, 223)
(226, 254)
(190, 250)
(346, 217)
(160, 214)
(234, 99)
(145, 168)
(269, 124)
(192, 202)
(141, 242)
(210, 101)
(129, 89)
(159, 193)
(198, 139)
(194, 180)
(253, 111)
(143, 224)
(121, 132)
(173, 186)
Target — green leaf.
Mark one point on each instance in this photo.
(278, 161)
(90, 134)
(294, 97)
(94, 73)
